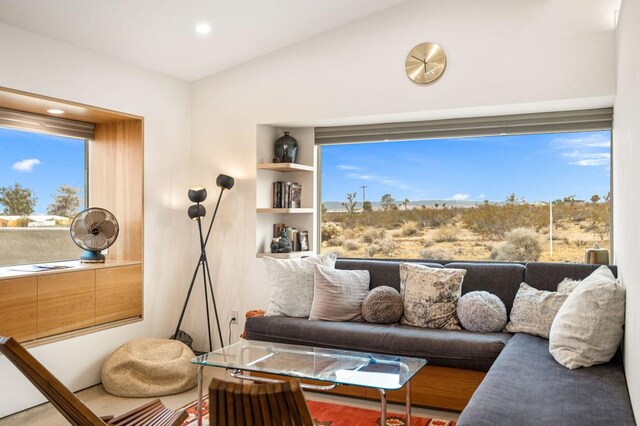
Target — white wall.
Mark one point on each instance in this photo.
(626, 181)
(504, 56)
(39, 65)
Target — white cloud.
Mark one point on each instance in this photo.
(585, 150)
(347, 167)
(460, 197)
(589, 159)
(384, 180)
(25, 165)
(482, 196)
(591, 140)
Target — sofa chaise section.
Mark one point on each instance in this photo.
(526, 386)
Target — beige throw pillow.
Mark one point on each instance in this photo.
(430, 296)
(338, 294)
(292, 284)
(533, 311)
(588, 328)
(568, 285)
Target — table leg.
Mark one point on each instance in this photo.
(408, 404)
(200, 380)
(383, 407)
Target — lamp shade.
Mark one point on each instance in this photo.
(224, 181)
(197, 194)
(197, 210)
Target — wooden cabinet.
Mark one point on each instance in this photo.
(66, 302)
(51, 303)
(18, 308)
(118, 293)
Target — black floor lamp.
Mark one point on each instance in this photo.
(197, 212)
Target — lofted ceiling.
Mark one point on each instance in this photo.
(160, 34)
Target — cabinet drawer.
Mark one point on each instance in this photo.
(118, 293)
(65, 302)
(18, 308)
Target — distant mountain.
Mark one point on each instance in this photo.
(337, 205)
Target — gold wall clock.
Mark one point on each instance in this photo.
(425, 63)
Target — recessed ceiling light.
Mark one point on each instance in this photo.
(55, 111)
(203, 28)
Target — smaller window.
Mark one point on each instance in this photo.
(42, 186)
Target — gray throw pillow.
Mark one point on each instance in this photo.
(338, 294)
(482, 311)
(292, 284)
(533, 311)
(430, 295)
(589, 327)
(383, 305)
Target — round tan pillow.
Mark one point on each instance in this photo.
(148, 367)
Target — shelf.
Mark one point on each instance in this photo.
(291, 255)
(285, 167)
(275, 211)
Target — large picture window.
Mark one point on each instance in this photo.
(42, 186)
(524, 197)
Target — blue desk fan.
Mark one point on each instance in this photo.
(94, 230)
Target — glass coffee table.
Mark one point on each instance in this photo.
(338, 367)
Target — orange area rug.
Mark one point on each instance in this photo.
(329, 414)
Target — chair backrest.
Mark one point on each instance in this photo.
(62, 398)
(271, 404)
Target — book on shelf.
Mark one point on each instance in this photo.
(287, 195)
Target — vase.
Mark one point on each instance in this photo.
(286, 149)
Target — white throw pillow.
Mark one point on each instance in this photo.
(533, 311)
(430, 295)
(568, 285)
(338, 294)
(292, 284)
(588, 328)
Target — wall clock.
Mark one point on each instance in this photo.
(425, 63)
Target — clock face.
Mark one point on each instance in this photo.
(425, 63)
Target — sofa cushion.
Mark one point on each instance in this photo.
(461, 349)
(501, 279)
(382, 272)
(526, 386)
(547, 276)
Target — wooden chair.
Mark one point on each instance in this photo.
(154, 413)
(271, 404)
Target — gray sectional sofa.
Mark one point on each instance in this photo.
(523, 383)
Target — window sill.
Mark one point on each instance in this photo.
(9, 272)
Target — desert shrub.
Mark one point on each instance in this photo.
(351, 245)
(22, 222)
(329, 230)
(373, 249)
(409, 228)
(335, 242)
(521, 244)
(435, 254)
(446, 235)
(427, 243)
(387, 246)
(370, 235)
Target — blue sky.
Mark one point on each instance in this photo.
(41, 163)
(537, 167)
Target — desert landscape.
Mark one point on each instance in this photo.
(502, 231)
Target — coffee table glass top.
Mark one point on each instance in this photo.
(329, 365)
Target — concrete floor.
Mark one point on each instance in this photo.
(104, 404)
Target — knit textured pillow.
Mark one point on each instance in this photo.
(383, 305)
(482, 311)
